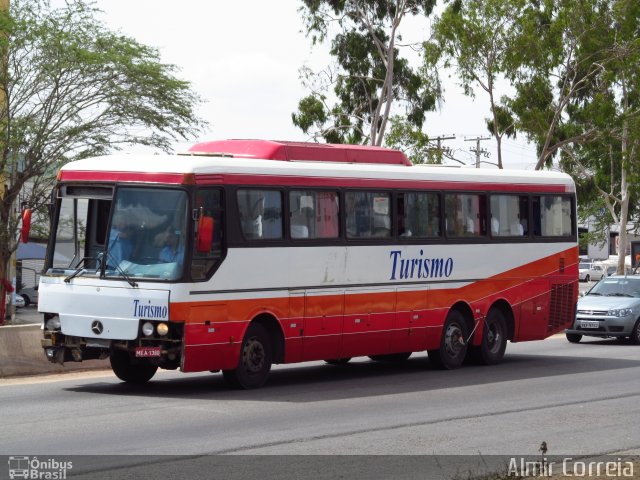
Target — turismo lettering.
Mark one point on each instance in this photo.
(149, 311)
(419, 267)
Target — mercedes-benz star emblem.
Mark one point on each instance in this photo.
(97, 327)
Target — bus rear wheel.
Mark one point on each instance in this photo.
(391, 357)
(255, 360)
(494, 339)
(128, 371)
(453, 344)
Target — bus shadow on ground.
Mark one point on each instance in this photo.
(361, 378)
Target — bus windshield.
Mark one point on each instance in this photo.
(139, 232)
(147, 234)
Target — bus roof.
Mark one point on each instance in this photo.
(224, 169)
(301, 151)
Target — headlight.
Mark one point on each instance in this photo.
(53, 324)
(620, 312)
(163, 329)
(147, 329)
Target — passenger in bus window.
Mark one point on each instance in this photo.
(251, 205)
(517, 229)
(495, 226)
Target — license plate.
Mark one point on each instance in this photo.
(148, 352)
(586, 324)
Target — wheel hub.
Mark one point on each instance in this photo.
(253, 355)
(453, 340)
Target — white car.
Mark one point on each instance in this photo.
(590, 271)
(30, 295)
(19, 301)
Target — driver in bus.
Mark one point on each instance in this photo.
(120, 241)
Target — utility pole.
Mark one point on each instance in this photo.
(439, 148)
(478, 150)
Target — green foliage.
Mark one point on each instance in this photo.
(479, 38)
(351, 101)
(605, 112)
(76, 89)
(413, 141)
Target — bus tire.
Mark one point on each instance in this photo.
(494, 339)
(391, 357)
(338, 361)
(573, 337)
(453, 344)
(129, 372)
(255, 360)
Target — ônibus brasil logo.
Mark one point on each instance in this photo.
(40, 469)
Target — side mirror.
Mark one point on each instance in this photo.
(205, 234)
(26, 225)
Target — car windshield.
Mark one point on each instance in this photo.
(617, 287)
(584, 266)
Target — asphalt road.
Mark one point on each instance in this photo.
(580, 399)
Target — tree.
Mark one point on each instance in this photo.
(369, 77)
(563, 47)
(75, 89)
(477, 37)
(607, 168)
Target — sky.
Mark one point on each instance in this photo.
(243, 58)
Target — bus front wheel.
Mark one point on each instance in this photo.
(453, 343)
(128, 371)
(255, 360)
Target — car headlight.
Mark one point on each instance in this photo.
(620, 312)
(147, 329)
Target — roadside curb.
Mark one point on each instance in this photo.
(21, 354)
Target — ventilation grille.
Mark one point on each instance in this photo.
(561, 308)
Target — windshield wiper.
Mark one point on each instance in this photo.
(618, 295)
(594, 293)
(117, 267)
(80, 269)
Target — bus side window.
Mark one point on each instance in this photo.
(555, 215)
(260, 213)
(465, 215)
(313, 214)
(368, 214)
(419, 214)
(509, 215)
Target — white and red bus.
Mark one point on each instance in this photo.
(243, 254)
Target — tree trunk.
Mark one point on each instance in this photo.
(3, 292)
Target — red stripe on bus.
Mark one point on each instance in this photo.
(138, 177)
